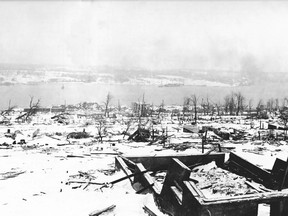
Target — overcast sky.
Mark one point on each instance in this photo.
(153, 35)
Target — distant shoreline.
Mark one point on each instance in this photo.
(76, 92)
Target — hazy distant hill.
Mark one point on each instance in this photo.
(33, 74)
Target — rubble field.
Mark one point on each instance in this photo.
(64, 163)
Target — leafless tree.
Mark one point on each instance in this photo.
(284, 117)
(210, 108)
(151, 110)
(194, 101)
(250, 106)
(270, 105)
(186, 106)
(5, 113)
(33, 107)
(101, 129)
(161, 109)
(218, 108)
(128, 123)
(239, 102)
(226, 103)
(203, 105)
(259, 107)
(284, 103)
(230, 103)
(206, 106)
(276, 104)
(107, 103)
(142, 109)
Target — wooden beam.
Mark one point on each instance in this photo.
(145, 179)
(98, 212)
(120, 164)
(178, 172)
(284, 177)
(149, 211)
(244, 168)
(163, 162)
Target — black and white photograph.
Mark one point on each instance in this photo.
(144, 108)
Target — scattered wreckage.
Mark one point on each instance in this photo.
(194, 184)
(204, 184)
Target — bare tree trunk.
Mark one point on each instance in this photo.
(33, 107)
(194, 100)
(107, 103)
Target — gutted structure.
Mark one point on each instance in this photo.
(200, 185)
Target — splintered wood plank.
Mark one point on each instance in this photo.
(178, 172)
(145, 178)
(243, 167)
(163, 162)
(177, 193)
(98, 212)
(120, 164)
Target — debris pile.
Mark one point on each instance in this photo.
(216, 182)
(140, 135)
(90, 133)
(78, 135)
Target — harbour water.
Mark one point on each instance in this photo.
(72, 93)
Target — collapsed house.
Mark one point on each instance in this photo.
(200, 185)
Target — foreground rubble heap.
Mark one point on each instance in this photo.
(215, 188)
(216, 182)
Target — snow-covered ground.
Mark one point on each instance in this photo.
(42, 189)
(34, 176)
